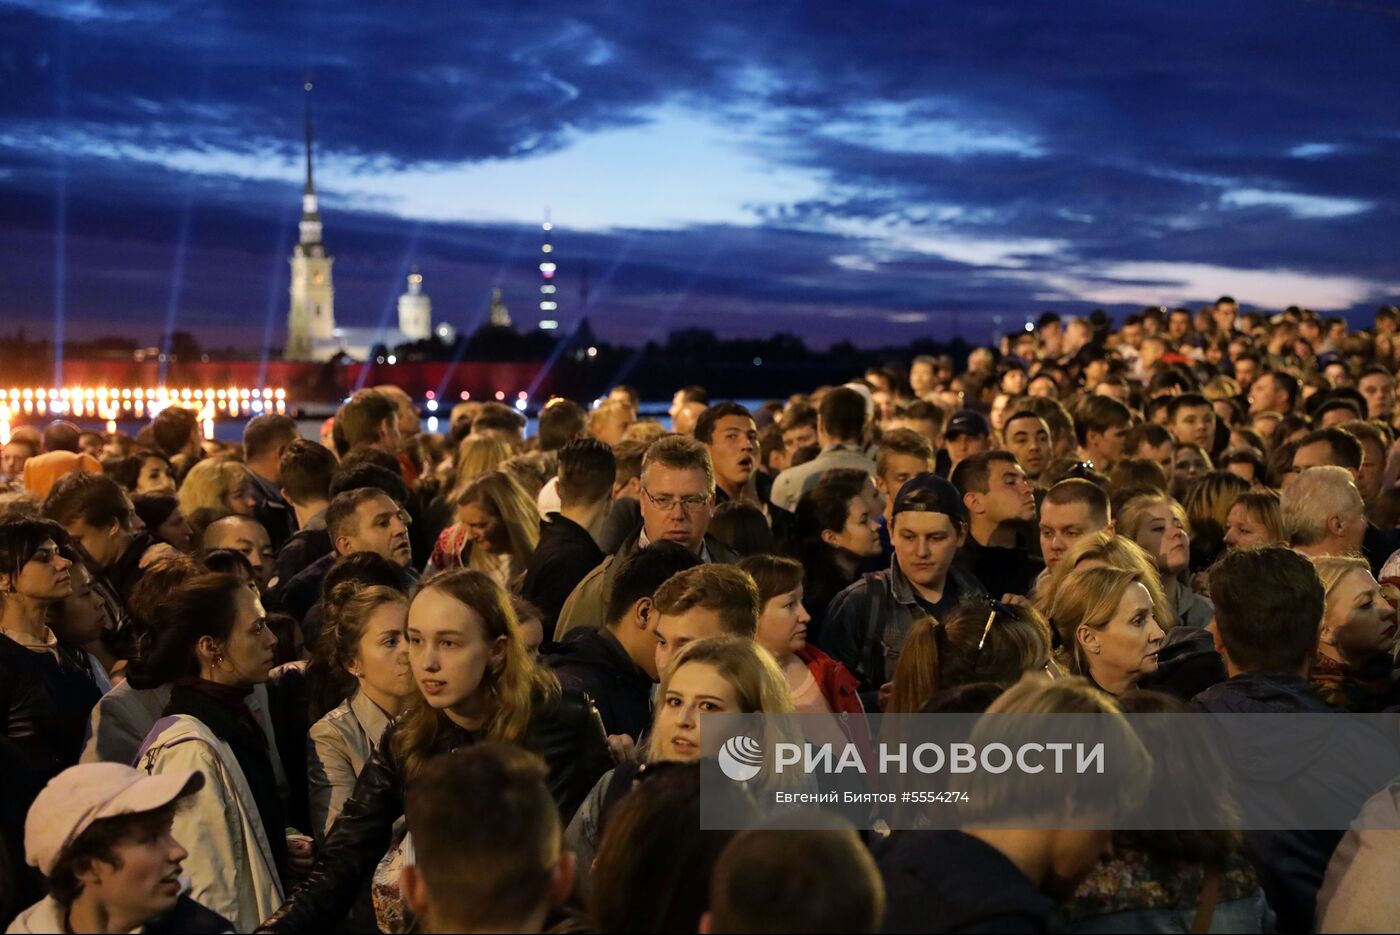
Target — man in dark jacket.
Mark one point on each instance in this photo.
(1268, 607)
(568, 548)
(867, 623)
(305, 469)
(999, 500)
(615, 664)
(265, 438)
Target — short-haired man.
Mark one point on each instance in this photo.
(1268, 606)
(247, 537)
(101, 834)
(615, 664)
(867, 623)
(1101, 426)
(176, 432)
(365, 519)
(265, 438)
(729, 431)
(968, 432)
(1323, 512)
(496, 420)
(1071, 510)
(799, 423)
(488, 842)
(700, 602)
(923, 417)
(1154, 443)
(841, 424)
(1191, 420)
(1273, 391)
(560, 421)
(758, 887)
(903, 453)
(1027, 437)
(1375, 443)
(1377, 387)
(370, 419)
(677, 502)
(1339, 448)
(568, 547)
(62, 436)
(1000, 501)
(12, 459)
(609, 421)
(305, 470)
(408, 419)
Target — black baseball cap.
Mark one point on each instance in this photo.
(967, 422)
(929, 493)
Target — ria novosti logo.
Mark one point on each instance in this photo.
(741, 758)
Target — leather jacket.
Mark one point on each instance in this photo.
(45, 701)
(565, 731)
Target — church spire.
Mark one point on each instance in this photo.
(310, 215)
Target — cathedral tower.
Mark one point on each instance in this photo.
(311, 319)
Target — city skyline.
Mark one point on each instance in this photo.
(876, 174)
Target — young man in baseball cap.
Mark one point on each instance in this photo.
(100, 834)
(867, 623)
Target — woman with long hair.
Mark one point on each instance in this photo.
(362, 658)
(1159, 524)
(818, 683)
(981, 641)
(1356, 642)
(145, 472)
(160, 514)
(1106, 620)
(496, 532)
(474, 682)
(835, 532)
(211, 644)
(46, 692)
(718, 675)
(218, 485)
(1207, 504)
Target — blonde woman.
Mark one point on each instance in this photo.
(1255, 520)
(1106, 622)
(477, 455)
(218, 485)
(1159, 524)
(1356, 643)
(496, 532)
(719, 675)
(1207, 506)
(475, 682)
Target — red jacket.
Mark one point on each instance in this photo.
(836, 682)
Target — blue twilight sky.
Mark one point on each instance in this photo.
(878, 171)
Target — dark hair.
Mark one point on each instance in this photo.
(98, 844)
(695, 394)
(361, 418)
(198, 607)
(1268, 602)
(1137, 474)
(126, 469)
(172, 428)
(742, 527)
(1247, 455)
(773, 575)
(655, 863)
(842, 414)
(93, 498)
(499, 417)
(1075, 490)
(973, 698)
(833, 886)
(340, 515)
(1286, 382)
(229, 562)
(560, 421)
(347, 605)
(160, 577)
(358, 476)
(705, 425)
(1099, 414)
(644, 572)
(826, 506)
(305, 470)
(1149, 433)
(628, 457)
(154, 508)
(266, 432)
(974, 473)
(21, 538)
(487, 834)
(1346, 450)
(62, 436)
(1187, 401)
(587, 471)
(799, 415)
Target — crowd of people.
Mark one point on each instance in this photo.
(390, 680)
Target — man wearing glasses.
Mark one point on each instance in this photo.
(677, 502)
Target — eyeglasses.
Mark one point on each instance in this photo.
(666, 503)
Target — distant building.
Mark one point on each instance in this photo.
(311, 333)
(500, 315)
(415, 310)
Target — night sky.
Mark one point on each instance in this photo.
(874, 171)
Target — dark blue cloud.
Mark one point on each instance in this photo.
(971, 160)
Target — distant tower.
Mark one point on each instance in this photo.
(416, 310)
(500, 315)
(311, 319)
(549, 305)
